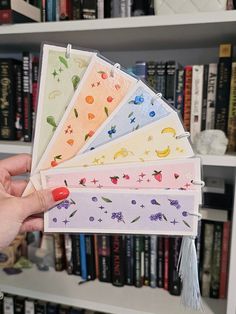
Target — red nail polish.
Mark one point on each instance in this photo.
(59, 194)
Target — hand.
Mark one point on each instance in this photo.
(22, 214)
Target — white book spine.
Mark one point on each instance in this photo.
(196, 103)
(123, 8)
(29, 307)
(8, 305)
(211, 96)
(100, 9)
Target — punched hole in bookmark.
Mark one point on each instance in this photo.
(68, 51)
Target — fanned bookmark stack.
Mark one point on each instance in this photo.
(122, 151)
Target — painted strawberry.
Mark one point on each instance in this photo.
(126, 176)
(82, 181)
(114, 179)
(109, 99)
(157, 175)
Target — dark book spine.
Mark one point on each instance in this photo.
(129, 260)
(6, 16)
(174, 279)
(76, 9)
(179, 92)
(5, 4)
(18, 101)
(40, 307)
(161, 78)
(204, 96)
(160, 262)
(68, 253)
(7, 100)
(146, 275)
(151, 74)
(187, 96)
(107, 8)
(170, 81)
(138, 8)
(141, 69)
(43, 11)
(63, 309)
(223, 88)
(83, 262)
(52, 308)
(35, 74)
(232, 112)
(118, 263)
(19, 305)
(104, 258)
(75, 238)
(89, 9)
(166, 261)
(216, 260)
(59, 249)
(90, 257)
(27, 96)
(153, 261)
(138, 261)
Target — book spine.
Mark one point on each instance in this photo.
(208, 237)
(43, 11)
(187, 96)
(96, 255)
(19, 305)
(179, 92)
(68, 253)
(153, 261)
(231, 133)
(141, 69)
(146, 253)
(5, 4)
(211, 96)
(174, 279)
(170, 82)
(90, 257)
(104, 258)
(27, 96)
(35, 73)
(107, 8)
(166, 261)
(224, 260)
(122, 8)
(128, 4)
(100, 9)
(117, 261)
(75, 239)
(89, 9)
(151, 74)
(115, 8)
(7, 101)
(223, 89)
(161, 78)
(204, 96)
(8, 305)
(138, 261)
(64, 10)
(160, 262)
(196, 102)
(19, 101)
(6, 16)
(59, 252)
(129, 260)
(29, 307)
(83, 262)
(76, 10)
(216, 260)
(40, 307)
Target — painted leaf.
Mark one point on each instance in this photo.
(106, 111)
(130, 115)
(135, 219)
(186, 223)
(73, 213)
(75, 81)
(63, 61)
(107, 200)
(164, 217)
(58, 157)
(76, 113)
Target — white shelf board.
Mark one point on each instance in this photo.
(203, 29)
(14, 147)
(62, 288)
(220, 161)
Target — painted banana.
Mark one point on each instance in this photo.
(169, 130)
(163, 153)
(123, 152)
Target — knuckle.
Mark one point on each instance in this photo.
(41, 201)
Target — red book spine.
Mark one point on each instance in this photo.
(6, 16)
(64, 9)
(166, 261)
(224, 259)
(187, 96)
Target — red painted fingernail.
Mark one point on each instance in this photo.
(59, 194)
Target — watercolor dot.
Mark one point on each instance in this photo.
(94, 199)
(54, 220)
(89, 99)
(133, 202)
(91, 218)
(154, 202)
(152, 113)
(185, 214)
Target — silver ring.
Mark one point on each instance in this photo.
(68, 51)
(117, 66)
(158, 95)
(1, 295)
(185, 134)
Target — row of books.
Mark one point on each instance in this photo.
(204, 95)
(61, 10)
(14, 304)
(18, 94)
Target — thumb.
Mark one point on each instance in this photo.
(40, 201)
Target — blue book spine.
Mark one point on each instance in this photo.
(83, 257)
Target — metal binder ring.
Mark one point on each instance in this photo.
(158, 95)
(117, 66)
(68, 51)
(202, 183)
(1, 295)
(196, 215)
(185, 134)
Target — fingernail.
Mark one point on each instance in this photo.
(59, 194)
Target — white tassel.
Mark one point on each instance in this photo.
(188, 272)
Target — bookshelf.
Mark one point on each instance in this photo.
(193, 37)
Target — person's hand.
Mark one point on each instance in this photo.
(22, 214)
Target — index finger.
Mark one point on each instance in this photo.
(17, 165)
